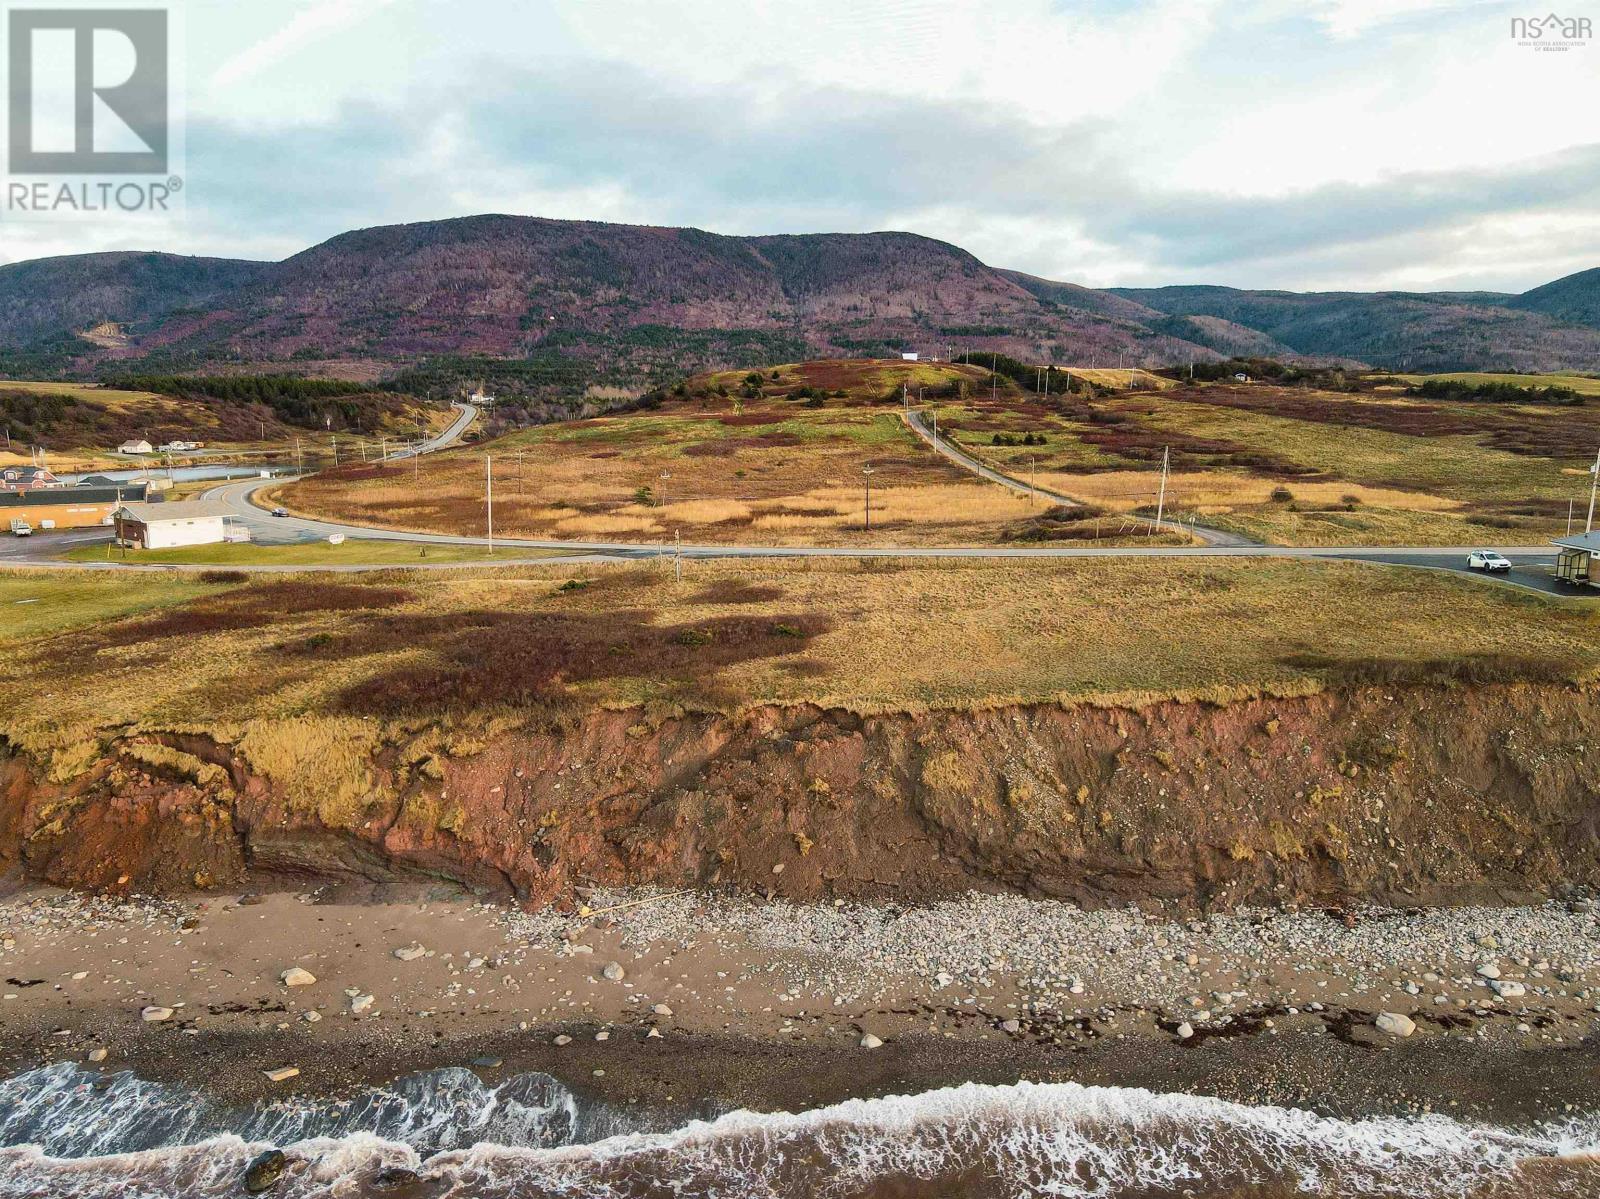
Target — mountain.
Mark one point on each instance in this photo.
(574, 304)
(50, 297)
(637, 298)
(1441, 331)
(1574, 298)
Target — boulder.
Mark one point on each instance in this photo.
(1395, 1024)
(264, 1170)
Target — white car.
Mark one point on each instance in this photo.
(1486, 560)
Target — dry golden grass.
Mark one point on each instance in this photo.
(294, 688)
(712, 469)
(1583, 384)
(72, 462)
(103, 397)
(1129, 379)
(176, 761)
(324, 762)
(1212, 492)
(1363, 468)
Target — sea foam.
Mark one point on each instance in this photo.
(79, 1138)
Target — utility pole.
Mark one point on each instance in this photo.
(866, 472)
(1570, 504)
(335, 441)
(488, 494)
(1161, 500)
(299, 464)
(1594, 471)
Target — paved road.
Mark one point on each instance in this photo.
(1531, 564)
(465, 415)
(944, 446)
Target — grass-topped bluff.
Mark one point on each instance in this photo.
(777, 456)
(1071, 727)
(464, 648)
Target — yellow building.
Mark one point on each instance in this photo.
(65, 507)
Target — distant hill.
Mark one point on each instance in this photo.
(570, 305)
(1416, 331)
(51, 297)
(1574, 298)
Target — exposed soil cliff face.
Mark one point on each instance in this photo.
(1424, 795)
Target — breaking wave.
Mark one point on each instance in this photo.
(71, 1133)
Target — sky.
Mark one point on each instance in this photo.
(1303, 144)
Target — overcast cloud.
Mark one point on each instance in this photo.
(1341, 144)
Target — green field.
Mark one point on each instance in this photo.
(1583, 384)
(38, 603)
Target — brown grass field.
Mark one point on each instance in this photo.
(1303, 467)
(303, 658)
(780, 461)
(777, 458)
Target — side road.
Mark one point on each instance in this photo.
(1530, 564)
(943, 445)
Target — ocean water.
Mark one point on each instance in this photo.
(69, 1133)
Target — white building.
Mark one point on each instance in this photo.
(135, 447)
(909, 356)
(177, 523)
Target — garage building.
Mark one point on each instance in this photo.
(66, 507)
(175, 523)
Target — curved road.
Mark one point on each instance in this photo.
(1530, 563)
(465, 415)
(943, 446)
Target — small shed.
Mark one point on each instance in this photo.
(135, 447)
(909, 355)
(177, 523)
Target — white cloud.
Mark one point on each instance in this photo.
(1254, 142)
(316, 20)
(1354, 18)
